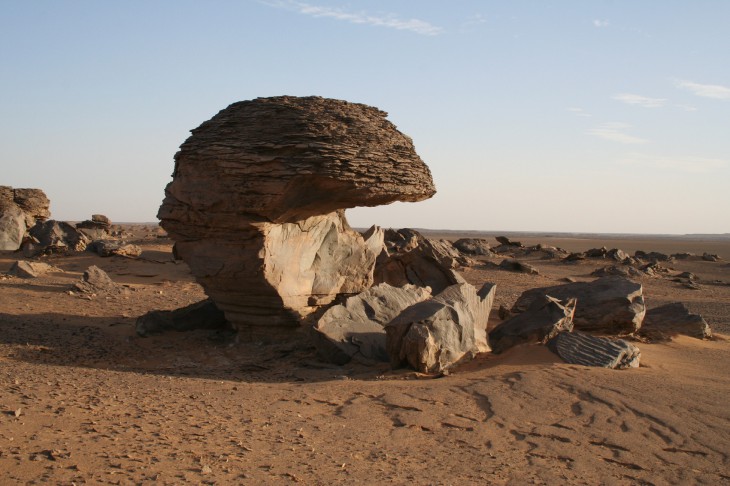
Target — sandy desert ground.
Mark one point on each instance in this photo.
(83, 400)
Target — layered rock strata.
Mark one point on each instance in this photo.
(19, 211)
(256, 205)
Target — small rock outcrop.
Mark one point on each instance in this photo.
(201, 315)
(25, 269)
(256, 205)
(357, 327)
(610, 304)
(19, 211)
(96, 281)
(583, 349)
(107, 248)
(512, 265)
(96, 228)
(669, 320)
(473, 246)
(411, 258)
(435, 334)
(544, 319)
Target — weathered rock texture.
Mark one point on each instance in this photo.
(54, 237)
(255, 205)
(610, 304)
(96, 228)
(586, 350)
(357, 327)
(19, 211)
(669, 320)
(435, 334)
(411, 258)
(544, 319)
(24, 269)
(96, 281)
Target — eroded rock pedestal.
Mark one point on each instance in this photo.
(257, 198)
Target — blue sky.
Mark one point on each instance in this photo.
(595, 116)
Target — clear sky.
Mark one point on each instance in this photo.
(588, 116)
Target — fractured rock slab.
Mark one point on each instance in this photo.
(672, 319)
(545, 318)
(435, 334)
(257, 198)
(417, 260)
(610, 304)
(25, 269)
(357, 327)
(583, 349)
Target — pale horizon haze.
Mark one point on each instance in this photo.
(564, 116)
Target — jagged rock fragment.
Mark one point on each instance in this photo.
(356, 328)
(610, 304)
(54, 237)
(545, 318)
(583, 349)
(96, 281)
(435, 334)
(419, 261)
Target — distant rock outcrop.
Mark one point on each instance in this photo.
(19, 211)
(257, 198)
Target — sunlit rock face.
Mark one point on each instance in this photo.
(257, 198)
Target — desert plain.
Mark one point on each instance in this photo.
(85, 400)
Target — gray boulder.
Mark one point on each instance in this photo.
(610, 304)
(357, 327)
(435, 334)
(586, 350)
(545, 318)
(201, 315)
(668, 320)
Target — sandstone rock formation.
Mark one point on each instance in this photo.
(544, 319)
(257, 197)
(586, 350)
(611, 304)
(473, 246)
(512, 265)
(107, 248)
(357, 327)
(435, 334)
(19, 211)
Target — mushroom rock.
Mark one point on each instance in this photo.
(256, 205)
